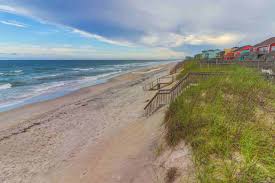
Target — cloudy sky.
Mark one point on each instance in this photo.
(129, 29)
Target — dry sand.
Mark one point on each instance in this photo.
(97, 134)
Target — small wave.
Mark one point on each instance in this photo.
(1, 73)
(17, 71)
(101, 76)
(46, 76)
(83, 69)
(13, 73)
(5, 86)
(47, 87)
(8, 104)
(106, 69)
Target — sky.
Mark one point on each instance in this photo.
(129, 29)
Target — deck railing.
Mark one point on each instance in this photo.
(165, 96)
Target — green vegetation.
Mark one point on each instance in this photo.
(194, 66)
(229, 122)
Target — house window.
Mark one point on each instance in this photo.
(273, 48)
(263, 49)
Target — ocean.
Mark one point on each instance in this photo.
(29, 81)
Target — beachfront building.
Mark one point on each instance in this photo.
(211, 54)
(265, 47)
(198, 56)
(221, 55)
(261, 51)
(243, 52)
(229, 53)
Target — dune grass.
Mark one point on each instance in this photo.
(229, 123)
(194, 66)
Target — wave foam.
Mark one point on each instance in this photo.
(18, 71)
(83, 69)
(48, 87)
(5, 86)
(47, 76)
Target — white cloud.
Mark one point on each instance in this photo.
(158, 23)
(19, 51)
(14, 23)
(220, 40)
(162, 52)
(13, 9)
(172, 40)
(101, 38)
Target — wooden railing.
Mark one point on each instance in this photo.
(159, 83)
(255, 64)
(163, 97)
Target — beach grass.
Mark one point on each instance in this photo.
(229, 123)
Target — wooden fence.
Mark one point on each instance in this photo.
(163, 97)
(254, 64)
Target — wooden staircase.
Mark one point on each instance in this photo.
(165, 96)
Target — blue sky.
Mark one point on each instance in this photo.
(126, 29)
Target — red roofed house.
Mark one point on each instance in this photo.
(265, 47)
(243, 52)
(263, 50)
(229, 53)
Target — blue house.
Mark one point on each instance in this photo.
(211, 54)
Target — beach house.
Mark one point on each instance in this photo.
(211, 54)
(261, 51)
(198, 56)
(265, 47)
(229, 53)
(243, 52)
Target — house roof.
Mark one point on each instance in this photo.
(241, 48)
(211, 50)
(266, 42)
(238, 49)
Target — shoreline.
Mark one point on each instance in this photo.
(53, 141)
(76, 95)
(61, 93)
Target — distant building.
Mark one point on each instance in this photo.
(265, 47)
(221, 55)
(198, 56)
(243, 52)
(210, 54)
(263, 51)
(229, 53)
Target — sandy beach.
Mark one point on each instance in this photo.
(97, 134)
